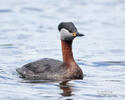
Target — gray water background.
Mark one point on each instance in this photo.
(28, 32)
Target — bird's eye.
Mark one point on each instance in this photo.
(70, 31)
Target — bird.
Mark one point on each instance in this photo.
(52, 69)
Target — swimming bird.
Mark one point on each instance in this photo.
(52, 69)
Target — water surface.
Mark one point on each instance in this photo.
(28, 32)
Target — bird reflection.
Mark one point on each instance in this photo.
(67, 89)
(64, 86)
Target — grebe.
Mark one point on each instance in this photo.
(51, 69)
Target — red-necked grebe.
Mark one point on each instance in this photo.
(51, 69)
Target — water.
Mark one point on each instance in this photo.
(28, 32)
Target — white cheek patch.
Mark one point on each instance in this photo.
(65, 35)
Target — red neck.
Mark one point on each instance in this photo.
(67, 53)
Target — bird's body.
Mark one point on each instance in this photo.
(46, 69)
(43, 69)
(51, 69)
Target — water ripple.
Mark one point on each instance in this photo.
(5, 11)
(32, 9)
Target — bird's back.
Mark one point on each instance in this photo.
(43, 69)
